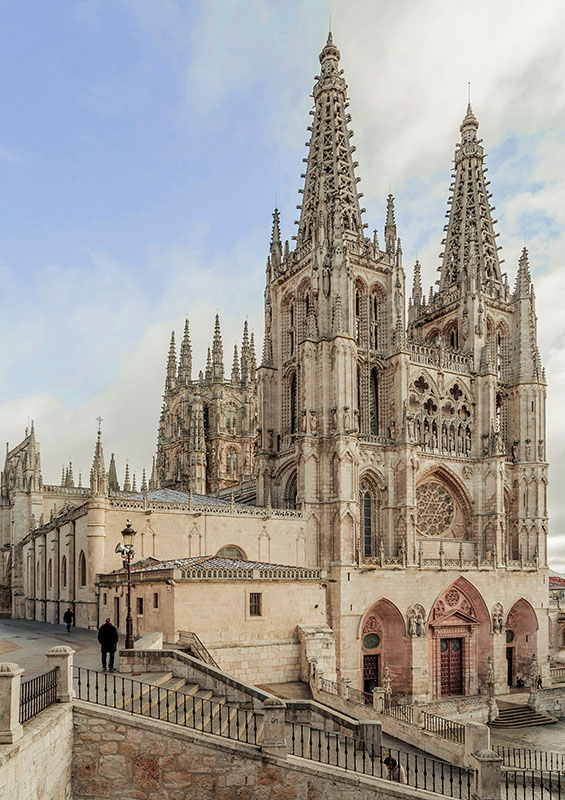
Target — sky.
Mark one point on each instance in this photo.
(145, 143)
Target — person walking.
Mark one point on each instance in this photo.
(108, 638)
(68, 618)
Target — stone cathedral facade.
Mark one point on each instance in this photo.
(395, 445)
(415, 446)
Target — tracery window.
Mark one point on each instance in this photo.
(291, 331)
(439, 511)
(293, 403)
(374, 403)
(369, 519)
(64, 572)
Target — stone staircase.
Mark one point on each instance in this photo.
(163, 696)
(514, 716)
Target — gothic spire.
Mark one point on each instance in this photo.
(153, 483)
(235, 374)
(252, 358)
(185, 358)
(245, 354)
(276, 244)
(217, 352)
(143, 487)
(527, 355)
(171, 379)
(390, 226)
(208, 373)
(470, 255)
(127, 484)
(331, 203)
(113, 483)
(98, 480)
(134, 484)
(417, 285)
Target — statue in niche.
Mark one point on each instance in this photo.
(334, 418)
(421, 625)
(355, 420)
(304, 421)
(326, 281)
(443, 439)
(313, 422)
(412, 626)
(346, 418)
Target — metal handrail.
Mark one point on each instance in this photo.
(37, 694)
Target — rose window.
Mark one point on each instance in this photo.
(436, 509)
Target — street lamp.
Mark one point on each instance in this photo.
(127, 552)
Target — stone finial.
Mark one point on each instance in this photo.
(9, 666)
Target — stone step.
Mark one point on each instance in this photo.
(520, 717)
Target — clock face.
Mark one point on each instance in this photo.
(371, 641)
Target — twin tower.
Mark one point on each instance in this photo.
(391, 420)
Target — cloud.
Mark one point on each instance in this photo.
(91, 337)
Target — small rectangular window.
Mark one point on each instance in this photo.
(156, 600)
(105, 599)
(255, 604)
(140, 605)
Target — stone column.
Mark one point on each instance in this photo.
(344, 688)
(62, 657)
(487, 776)
(10, 691)
(378, 699)
(477, 738)
(274, 741)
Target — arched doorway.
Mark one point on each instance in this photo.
(461, 641)
(384, 640)
(521, 641)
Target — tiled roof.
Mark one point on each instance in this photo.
(208, 562)
(174, 496)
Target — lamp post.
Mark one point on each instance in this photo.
(127, 551)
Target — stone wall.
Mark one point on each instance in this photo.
(39, 764)
(117, 755)
(549, 701)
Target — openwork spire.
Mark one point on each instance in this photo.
(417, 285)
(331, 203)
(171, 379)
(185, 358)
(127, 483)
(390, 226)
(235, 373)
(470, 258)
(217, 352)
(276, 244)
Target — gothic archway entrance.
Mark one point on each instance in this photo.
(521, 641)
(384, 640)
(459, 625)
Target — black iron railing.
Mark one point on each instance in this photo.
(520, 758)
(366, 758)
(445, 728)
(400, 711)
(528, 784)
(168, 705)
(38, 694)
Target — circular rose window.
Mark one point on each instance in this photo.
(371, 641)
(436, 509)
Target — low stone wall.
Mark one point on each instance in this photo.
(38, 765)
(117, 755)
(274, 661)
(549, 701)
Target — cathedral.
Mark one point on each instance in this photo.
(393, 442)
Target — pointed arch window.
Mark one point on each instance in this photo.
(374, 404)
(64, 572)
(234, 463)
(50, 574)
(291, 335)
(454, 338)
(369, 528)
(499, 364)
(357, 316)
(375, 338)
(82, 569)
(293, 399)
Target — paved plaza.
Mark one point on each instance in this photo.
(26, 642)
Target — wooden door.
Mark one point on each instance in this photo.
(451, 666)
(370, 672)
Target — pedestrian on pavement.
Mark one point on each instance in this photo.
(108, 638)
(68, 618)
(396, 771)
(539, 683)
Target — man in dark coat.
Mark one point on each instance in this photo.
(108, 638)
(68, 617)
